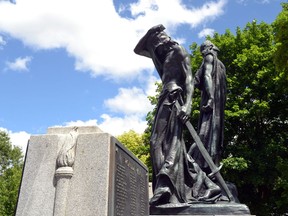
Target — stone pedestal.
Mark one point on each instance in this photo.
(105, 178)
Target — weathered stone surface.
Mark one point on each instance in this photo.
(104, 173)
(66, 130)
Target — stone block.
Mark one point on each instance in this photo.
(106, 179)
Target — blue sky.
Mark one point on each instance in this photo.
(71, 62)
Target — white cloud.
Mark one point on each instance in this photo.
(2, 42)
(94, 33)
(150, 88)
(19, 138)
(19, 64)
(175, 12)
(129, 101)
(205, 32)
(79, 123)
(117, 126)
(132, 102)
(113, 125)
(102, 41)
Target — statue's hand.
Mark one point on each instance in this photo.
(208, 107)
(184, 114)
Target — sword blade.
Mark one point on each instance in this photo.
(207, 158)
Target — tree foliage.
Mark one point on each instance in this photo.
(281, 39)
(136, 144)
(255, 153)
(11, 163)
(256, 113)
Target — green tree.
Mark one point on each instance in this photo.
(255, 155)
(11, 163)
(281, 61)
(281, 39)
(255, 117)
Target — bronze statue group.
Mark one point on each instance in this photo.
(181, 174)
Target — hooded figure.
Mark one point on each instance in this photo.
(176, 176)
(211, 80)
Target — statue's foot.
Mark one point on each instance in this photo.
(211, 192)
(161, 196)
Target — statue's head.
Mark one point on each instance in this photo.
(208, 47)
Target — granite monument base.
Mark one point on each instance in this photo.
(100, 177)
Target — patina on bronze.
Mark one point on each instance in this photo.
(215, 170)
(211, 80)
(177, 178)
